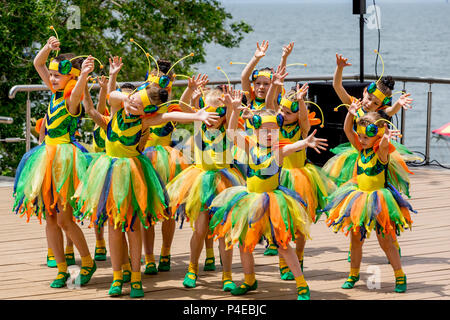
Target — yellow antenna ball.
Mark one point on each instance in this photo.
(305, 64)
(322, 125)
(231, 62)
(375, 50)
(191, 54)
(218, 68)
(51, 27)
(335, 109)
(101, 66)
(131, 40)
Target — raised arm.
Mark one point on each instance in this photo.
(341, 63)
(101, 105)
(41, 59)
(194, 84)
(303, 118)
(275, 88)
(115, 64)
(91, 111)
(73, 102)
(403, 102)
(383, 151)
(352, 136)
(247, 72)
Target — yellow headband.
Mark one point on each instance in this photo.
(55, 67)
(286, 103)
(264, 74)
(144, 97)
(269, 119)
(156, 79)
(380, 95)
(363, 130)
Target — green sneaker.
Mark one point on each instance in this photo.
(190, 280)
(400, 284)
(244, 288)
(116, 288)
(164, 263)
(136, 290)
(271, 250)
(210, 264)
(150, 268)
(100, 254)
(60, 280)
(51, 262)
(350, 283)
(70, 259)
(86, 274)
(286, 273)
(126, 276)
(228, 285)
(303, 293)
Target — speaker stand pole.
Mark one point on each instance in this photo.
(361, 47)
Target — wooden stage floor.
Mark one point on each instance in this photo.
(425, 259)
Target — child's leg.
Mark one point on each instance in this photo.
(55, 240)
(126, 264)
(74, 232)
(116, 237)
(210, 258)
(148, 239)
(227, 259)
(248, 265)
(168, 231)
(291, 259)
(391, 251)
(100, 245)
(135, 243)
(68, 252)
(356, 257)
(51, 262)
(196, 246)
(300, 243)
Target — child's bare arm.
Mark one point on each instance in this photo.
(91, 111)
(73, 102)
(303, 110)
(41, 59)
(348, 125)
(341, 63)
(247, 72)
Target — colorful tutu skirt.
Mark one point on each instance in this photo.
(242, 216)
(167, 161)
(121, 190)
(342, 167)
(193, 190)
(45, 174)
(351, 209)
(311, 183)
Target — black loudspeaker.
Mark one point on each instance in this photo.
(359, 6)
(324, 95)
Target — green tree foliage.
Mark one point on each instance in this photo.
(168, 29)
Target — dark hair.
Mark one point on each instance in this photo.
(76, 63)
(388, 81)
(128, 85)
(157, 95)
(164, 65)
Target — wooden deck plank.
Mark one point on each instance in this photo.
(425, 259)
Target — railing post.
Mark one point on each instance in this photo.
(28, 124)
(428, 134)
(403, 113)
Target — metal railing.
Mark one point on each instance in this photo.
(430, 81)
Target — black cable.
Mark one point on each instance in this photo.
(379, 39)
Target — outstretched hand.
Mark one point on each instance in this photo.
(87, 66)
(103, 82)
(279, 75)
(198, 81)
(287, 50)
(53, 43)
(261, 49)
(115, 64)
(209, 118)
(405, 101)
(391, 134)
(231, 98)
(341, 61)
(354, 107)
(301, 92)
(316, 143)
